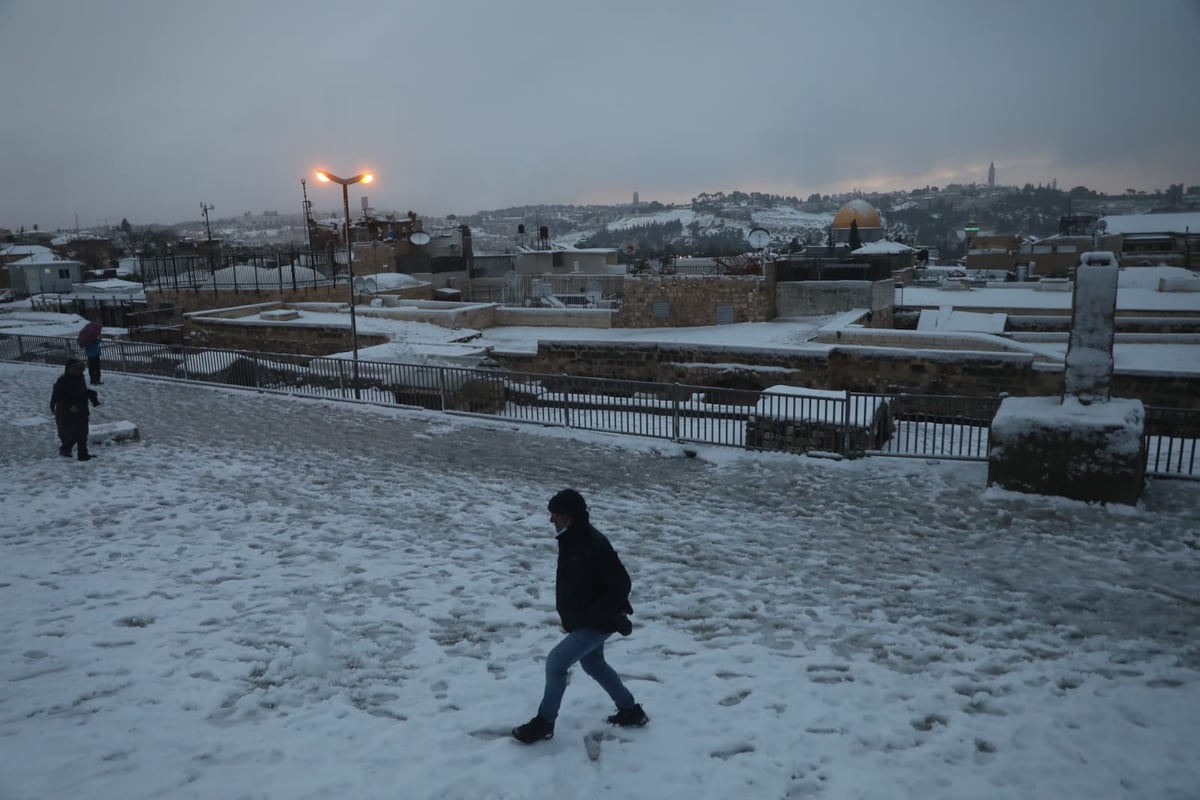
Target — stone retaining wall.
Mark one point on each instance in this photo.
(823, 298)
(693, 300)
(555, 317)
(877, 370)
(241, 329)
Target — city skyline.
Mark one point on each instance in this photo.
(142, 110)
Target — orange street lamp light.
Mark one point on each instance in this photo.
(363, 177)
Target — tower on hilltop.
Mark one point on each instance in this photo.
(992, 175)
(635, 199)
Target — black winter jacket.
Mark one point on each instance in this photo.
(72, 391)
(592, 586)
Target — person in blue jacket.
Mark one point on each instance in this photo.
(92, 351)
(591, 595)
(69, 404)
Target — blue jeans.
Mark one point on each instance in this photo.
(585, 645)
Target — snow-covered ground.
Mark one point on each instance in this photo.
(269, 597)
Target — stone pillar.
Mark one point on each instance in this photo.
(1093, 305)
(1084, 445)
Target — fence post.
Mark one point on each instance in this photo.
(846, 414)
(124, 362)
(566, 401)
(442, 385)
(675, 411)
(341, 376)
(21, 346)
(187, 376)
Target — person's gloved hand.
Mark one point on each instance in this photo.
(95, 402)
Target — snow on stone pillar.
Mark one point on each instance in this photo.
(1089, 363)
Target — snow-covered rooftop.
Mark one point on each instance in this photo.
(108, 285)
(48, 257)
(1152, 223)
(13, 250)
(882, 247)
(1138, 291)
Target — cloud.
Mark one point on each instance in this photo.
(144, 109)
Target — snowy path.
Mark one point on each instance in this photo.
(275, 598)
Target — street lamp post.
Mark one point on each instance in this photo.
(363, 177)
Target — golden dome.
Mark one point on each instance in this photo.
(866, 214)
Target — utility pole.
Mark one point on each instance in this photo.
(205, 207)
(307, 205)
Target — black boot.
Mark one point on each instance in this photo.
(536, 730)
(84, 455)
(65, 450)
(632, 717)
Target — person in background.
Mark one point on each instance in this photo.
(69, 404)
(92, 351)
(591, 595)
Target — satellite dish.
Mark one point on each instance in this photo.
(758, 238)
(629, 246)
(419, 238)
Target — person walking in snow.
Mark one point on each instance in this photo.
(591, 595)
(69, 403)
(92, 351)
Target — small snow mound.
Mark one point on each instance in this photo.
(319, 637)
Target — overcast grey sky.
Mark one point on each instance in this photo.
(146, 108)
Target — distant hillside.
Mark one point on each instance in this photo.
(657, 230)
(717, 223)
(713, 223)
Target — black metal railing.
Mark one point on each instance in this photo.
(847, 424)
(278, 269)
(1172, 442)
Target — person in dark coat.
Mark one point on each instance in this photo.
(591, 595)
(69, 403)
(92, 351)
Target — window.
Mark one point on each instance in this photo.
(662, 310)
(65, 274)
